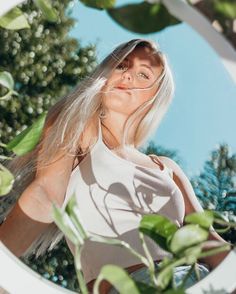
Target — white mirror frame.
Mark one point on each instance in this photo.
(16, 277)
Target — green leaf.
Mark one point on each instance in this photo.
(99, 4)
(192, 254)
(6, 80)
(221, 217)
(49, 13)
(73, 212)
(187, 236)
(14, 20)
(27, 139)
(118, 277)
(6, 180)
(159, 228)
(204, 219)
(164, 276)
(64, 223)
(143, 18)
(227, 8)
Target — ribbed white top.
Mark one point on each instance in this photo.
(113, 194)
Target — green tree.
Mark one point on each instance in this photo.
(217, 182)
(45, 63)
(216, 186)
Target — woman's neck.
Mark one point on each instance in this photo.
(113, 130)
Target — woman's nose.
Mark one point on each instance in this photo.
(127, 75)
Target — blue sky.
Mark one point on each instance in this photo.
(203, 111)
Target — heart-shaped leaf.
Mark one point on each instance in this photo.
(14, 20)
(192, 254)
(118, 277)
(164, 276)
(64, 223)
(27, 139)
(6, 80)
(49, 13)
(6, 180)
(159, 228)
(143, 18)
(204, 218)
(187, 236)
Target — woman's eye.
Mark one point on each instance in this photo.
(145, 76)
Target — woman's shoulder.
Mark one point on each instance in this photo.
(170, 163)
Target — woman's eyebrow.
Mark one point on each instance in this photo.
(143, 64)
(147, 66)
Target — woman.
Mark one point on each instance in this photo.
(89, 146)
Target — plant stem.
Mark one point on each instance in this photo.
(80, 277)
(6, 96)
(5, 157)
(3, 145)
(215, 251)
(186, 276)
(196, 270)
(151, 265)
(221, 222)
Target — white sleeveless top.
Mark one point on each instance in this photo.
(113, 194)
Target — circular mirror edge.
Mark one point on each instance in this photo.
(17, 277)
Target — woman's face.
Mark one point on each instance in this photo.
(140, 69)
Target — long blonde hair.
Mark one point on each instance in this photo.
(76, 109)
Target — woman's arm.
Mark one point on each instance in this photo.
(32, 214)
(192, 205)
(19, 230)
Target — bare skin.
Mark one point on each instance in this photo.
(139, 70)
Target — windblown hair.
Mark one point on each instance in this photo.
(68, 118)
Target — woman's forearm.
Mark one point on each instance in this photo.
(20, 229)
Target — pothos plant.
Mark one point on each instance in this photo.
(186, 245)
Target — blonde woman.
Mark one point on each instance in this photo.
(90, 146)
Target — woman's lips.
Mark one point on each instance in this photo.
(123, 89)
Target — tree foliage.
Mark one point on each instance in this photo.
(45, 63)
(216, 186)
(221, 14)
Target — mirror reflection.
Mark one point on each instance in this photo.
(97, 143)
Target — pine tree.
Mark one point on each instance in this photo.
(217, 182)
(216, 186)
